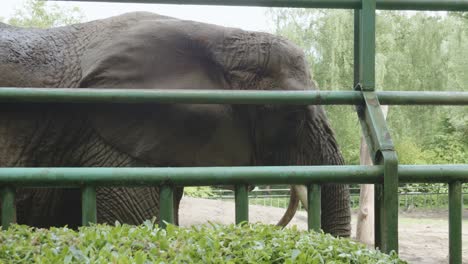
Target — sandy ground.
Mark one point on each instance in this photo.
(423, 236)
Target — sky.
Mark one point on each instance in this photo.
(248, 18)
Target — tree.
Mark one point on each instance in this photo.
(415, 53)
(41, 14)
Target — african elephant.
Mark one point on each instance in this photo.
(145, 50)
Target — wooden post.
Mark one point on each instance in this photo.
(365, 220)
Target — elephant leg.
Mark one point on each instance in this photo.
(336, 212)
(132, 205)
(59, 207)
(53, 138)
(45, 207)
(129, 205)
(178, 193)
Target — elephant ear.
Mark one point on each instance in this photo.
(156, 54)
(162, 53)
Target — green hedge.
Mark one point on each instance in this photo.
(249, 243)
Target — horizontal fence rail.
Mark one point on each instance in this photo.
(434, 5)
(309, 97)
(200, 176)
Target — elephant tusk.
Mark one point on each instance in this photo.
(291, 210)
(302, 193)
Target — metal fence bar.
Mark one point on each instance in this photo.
(422, 98)
(314, 202)
(455, 222)
(460, 5)
(8, 206)
(367, 46)
(389, 203)
(356, 49)
(88, 205)
(307, 97)
(166, 205)
(432, 173)
(203, 176)
(376, 133)
(188, 176)
(241, 195)
(73, 95)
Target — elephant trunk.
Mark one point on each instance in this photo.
(316, 145)
(335, 208)
(336, 215)
(323, 150)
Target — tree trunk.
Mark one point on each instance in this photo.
(365, 221)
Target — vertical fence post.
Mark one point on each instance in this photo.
(357, 47)
(367, 45)
(314, 203)
(455, 222)
(375, 130)
(166, 205)
(8, 206)
(88, 205)
(242, 203)
(389, 202)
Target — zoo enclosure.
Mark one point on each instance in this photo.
(386, 174)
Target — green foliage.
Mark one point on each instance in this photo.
(411, 153)
(346, 126)
(199, 191)
(248, 243)
(417, 52)
(41, 14)
(450, 145)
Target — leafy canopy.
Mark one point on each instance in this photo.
(41, 14)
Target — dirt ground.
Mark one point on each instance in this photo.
(423, 235)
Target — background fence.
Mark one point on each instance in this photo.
(410, 197)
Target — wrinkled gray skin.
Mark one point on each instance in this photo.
(144, 50)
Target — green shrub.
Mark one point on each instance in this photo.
(409, 152)
(249, 243)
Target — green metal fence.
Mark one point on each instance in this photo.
(386, 174)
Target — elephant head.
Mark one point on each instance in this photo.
(143, 50)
